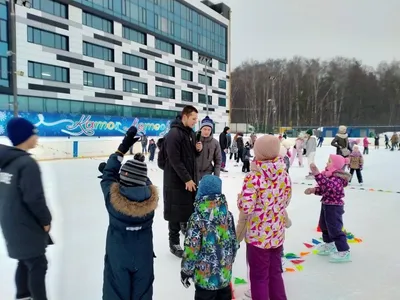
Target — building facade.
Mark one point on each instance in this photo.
(129, 58)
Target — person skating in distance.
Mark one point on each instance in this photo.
(130, 200)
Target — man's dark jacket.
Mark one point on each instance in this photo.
(180, 167)
(223, 139)
(23, 209)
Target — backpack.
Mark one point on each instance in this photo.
(162, 154)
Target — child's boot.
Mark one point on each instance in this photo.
(176, 250)
(326, 249)
(340, 257)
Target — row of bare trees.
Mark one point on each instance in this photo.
(311, 92)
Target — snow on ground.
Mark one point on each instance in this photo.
(80, 223)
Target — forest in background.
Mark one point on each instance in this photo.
(313, 92)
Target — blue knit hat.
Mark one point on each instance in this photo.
(20, 130)
(207, 122)
(209, 185)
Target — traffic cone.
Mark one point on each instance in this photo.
(233, 291)
(318, 229)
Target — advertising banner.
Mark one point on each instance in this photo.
(74, 125)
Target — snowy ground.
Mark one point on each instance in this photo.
(80, 222)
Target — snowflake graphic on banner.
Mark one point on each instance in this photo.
(3, 116)
(2, 131)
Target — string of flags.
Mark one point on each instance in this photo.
(354, 188)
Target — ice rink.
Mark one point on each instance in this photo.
(80, 223)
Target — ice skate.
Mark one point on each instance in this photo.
(326, 249)
(176, 250)
(340, 257)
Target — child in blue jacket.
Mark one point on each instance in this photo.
(210, 244)
(130, 200)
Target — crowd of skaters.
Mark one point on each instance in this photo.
(193, 204)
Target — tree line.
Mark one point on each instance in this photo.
(313, 92)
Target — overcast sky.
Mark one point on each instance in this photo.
(366, 29)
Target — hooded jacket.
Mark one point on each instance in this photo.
(332, 188)
(210, 159)
(266, 193)
(23, 209)
(210, 244)
(223, 139)
(356, 160)
(129, 242)
(341, 141)
(180, 167)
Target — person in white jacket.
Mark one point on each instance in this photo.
(311, 148)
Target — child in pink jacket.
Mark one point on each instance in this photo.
(265, 195)
(298, 151)
(366, 144)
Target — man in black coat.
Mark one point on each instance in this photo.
(224, 143)
(24, 216)
(180, 174)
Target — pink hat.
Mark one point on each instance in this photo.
(266, 147)
(337, 163)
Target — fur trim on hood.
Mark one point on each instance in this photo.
(342, 135)
(342, 174)
(133, 208)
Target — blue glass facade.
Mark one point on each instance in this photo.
(171, 19)
(4, 60)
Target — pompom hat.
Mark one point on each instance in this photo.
(207, 122)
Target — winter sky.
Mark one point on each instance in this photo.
(366, 29)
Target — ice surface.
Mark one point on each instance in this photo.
(80, 223)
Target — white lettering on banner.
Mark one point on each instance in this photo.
(5, 177)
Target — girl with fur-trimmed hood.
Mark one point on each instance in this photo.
(131, 200)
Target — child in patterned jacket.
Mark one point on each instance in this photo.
(265, 195)
(331, 183)
(210, 244)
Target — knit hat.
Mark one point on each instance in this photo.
(207, 122)
(266, 147)
(337, 162)
(19, 130)
(133, 173)
(309, 132)
(356, 148)
(342, 129)
(209, 185)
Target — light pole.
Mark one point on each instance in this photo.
(205, 60)
(272, 101)
(13, 52)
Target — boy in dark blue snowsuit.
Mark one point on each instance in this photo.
(131, 200)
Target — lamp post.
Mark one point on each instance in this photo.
(272, 101)
(13, 52)
(205, 61)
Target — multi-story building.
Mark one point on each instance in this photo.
(133, 58)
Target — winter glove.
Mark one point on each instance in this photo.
(129, 140)
(314, 169)
(185, 279)
(309, 191)
(101, 169)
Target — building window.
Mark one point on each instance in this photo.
(187, 96)
(222, 66)
(165, 69)
(134, 61)
(51, 7)
(187, 75)
(165, 92)
(222, 84)
(4, 71)
(3, 30)
(51, 105)
(185, 53)
(165, 46)
(97, 51)
(97, 22)
(202, 99)
(134, 35)
(97, 80)
(203, 80)
(47, 38)
(221, 101)
(47, 72)
(135, 87)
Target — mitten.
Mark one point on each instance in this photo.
(185, 279)
(241, 227)
(314, 169)
(129, 140)
(101, 169)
